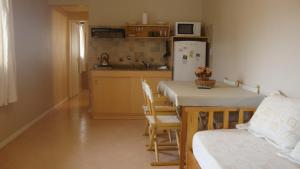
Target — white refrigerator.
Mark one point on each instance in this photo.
(188, 55)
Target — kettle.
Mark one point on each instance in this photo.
(104, 59)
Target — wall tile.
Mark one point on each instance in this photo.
(137, 49)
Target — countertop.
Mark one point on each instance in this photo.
(128, 68)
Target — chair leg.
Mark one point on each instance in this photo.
(146, 132)
(155, 146)
(150, 137)
(177, 140)
(170, 136)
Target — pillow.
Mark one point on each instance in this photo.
(294, 155)
(278, 120)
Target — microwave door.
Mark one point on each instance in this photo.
(186, 29)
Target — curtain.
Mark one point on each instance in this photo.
(8, 91)
(82, 47)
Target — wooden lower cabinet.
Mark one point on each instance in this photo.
(118, 94)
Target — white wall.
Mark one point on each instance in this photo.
(41, 67)
(257, 41)
(118, 12)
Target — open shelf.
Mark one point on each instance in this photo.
(161, 38)
(148, 31)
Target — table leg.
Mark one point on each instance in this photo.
(183, 139)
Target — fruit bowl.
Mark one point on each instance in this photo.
(205, 84)
(203, 81)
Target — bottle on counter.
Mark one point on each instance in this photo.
(145, 18)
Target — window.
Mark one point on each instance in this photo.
(8, 92)
(82, 44)
(82, 40)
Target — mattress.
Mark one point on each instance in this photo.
(236, 149)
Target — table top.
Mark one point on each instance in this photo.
(187, 94)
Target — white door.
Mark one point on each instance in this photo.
(74, 73)
(188, 55)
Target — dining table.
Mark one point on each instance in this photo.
(189, 98)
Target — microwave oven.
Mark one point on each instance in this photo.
(188, 29)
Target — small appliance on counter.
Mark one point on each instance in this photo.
(188, 29)
(104, 60)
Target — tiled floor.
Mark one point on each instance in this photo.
(69, 139)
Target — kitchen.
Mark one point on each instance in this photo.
(121, 52)
(125, 60)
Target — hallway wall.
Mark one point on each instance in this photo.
(41, 63)
(60, 54)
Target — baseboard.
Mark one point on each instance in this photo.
(28, 125)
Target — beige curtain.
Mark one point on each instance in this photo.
(8, 92)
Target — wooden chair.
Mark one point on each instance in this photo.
(218, 122)
(163, 107)
(242, 114)
(159, 122)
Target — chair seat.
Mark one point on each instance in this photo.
(160, 109)
(164, 120)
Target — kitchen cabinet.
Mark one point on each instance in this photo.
(118, 94)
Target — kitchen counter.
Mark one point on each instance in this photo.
(129, 68)
(117, 93)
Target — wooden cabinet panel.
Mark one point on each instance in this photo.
(137, 96)
(112, 91)
(118, 94)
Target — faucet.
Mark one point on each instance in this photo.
(147, 64)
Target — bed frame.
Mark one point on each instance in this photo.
(193, 123)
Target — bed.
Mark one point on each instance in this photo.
(269, 141)
(235, 149)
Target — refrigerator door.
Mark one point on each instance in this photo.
(188, 55)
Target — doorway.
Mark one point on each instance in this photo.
(77, 45)
(77, 60)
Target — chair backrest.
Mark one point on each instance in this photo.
(250, 88)
(230, 82)
(144, 94)
(149, 99)
(147, 90)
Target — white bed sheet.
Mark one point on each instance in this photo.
(236, 149)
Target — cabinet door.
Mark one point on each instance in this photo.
(137, 99)
(112, 95)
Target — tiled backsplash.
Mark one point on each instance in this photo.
(127, 51)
